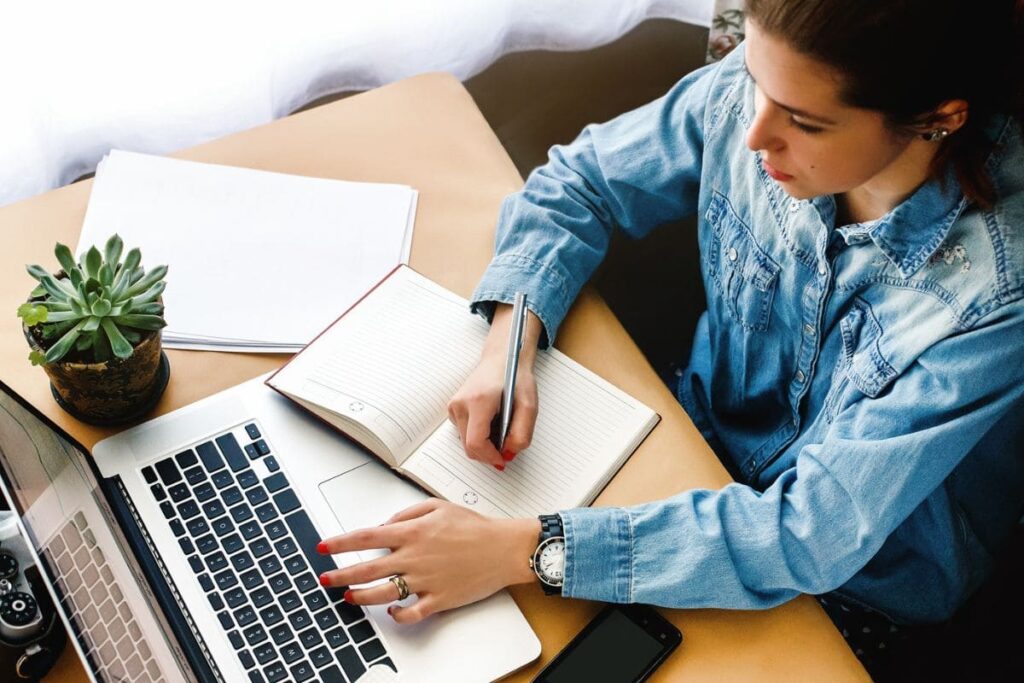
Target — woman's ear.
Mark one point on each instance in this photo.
(948, 117)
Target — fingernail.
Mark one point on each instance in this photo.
(391, 611)
(500, 468)
(325, 581)
(321, 548)
(507, 455)
(348, 596)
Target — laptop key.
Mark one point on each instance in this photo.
(246, 659)
(350, 662)
(261, 597)
(275, 482)
(264, 653)
(210, 457)
(186, 546)
(176, 528)
(196, 564)
(260, 547)
(291, 652)
(371, 650)
(251, 451)
(207, 544)
(216, 561)
(204, 492)
(178, 492)
(270, 565)
(325, 619)
(262, 448)
(242, 561)
(225, 620)
(247, 479)
(337, 637)
(316, 601)
(158, 492)
(168, 471)
(321, 657)
(332, 675)
(361, 631)
(275, 672)
(235, 597)
(231, 496)
(279, 583)
(223, 526)
(254, 635)
(281, 634)
(213, 509)
(236, 640)
(252, 430)
(306, 582)
(300, 620)
(285, 547)
(277, 529)
(215, 601)
(310, 638)
(256, 677)
(167, 509)
(257, 495)
(149, 474)
(222, 479)
(195, 475)
(205, 582)
(188, 509)
(302, 671)
(226, 579)
(266, 513)
(197, 527)
(186, 459)
(290, 601)
(251, 579)
(232, 544)
(307, 538)
(232, 452)
(349, 613)
(271, 464)
(249, 530)
(241, 513)
(245, 615)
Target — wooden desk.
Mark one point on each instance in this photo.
(428, 133)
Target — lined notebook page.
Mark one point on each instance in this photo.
(585, 430)
(392, 362)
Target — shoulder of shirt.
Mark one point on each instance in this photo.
(718, 87)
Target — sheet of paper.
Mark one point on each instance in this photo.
(258, 260)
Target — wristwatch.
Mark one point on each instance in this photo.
(548, 559)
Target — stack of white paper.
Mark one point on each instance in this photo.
(258, 261)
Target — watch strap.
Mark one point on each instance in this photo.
(550, 527)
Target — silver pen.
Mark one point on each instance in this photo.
(515, 343)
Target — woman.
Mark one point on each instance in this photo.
(860, 365)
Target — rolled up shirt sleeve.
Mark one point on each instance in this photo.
(633, 173)
(823, 519)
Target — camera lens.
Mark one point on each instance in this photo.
(8, 566)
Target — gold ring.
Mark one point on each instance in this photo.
(401, 585)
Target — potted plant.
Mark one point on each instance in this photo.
(95, 326)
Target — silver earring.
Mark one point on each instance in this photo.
(936, 135)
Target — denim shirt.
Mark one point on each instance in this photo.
(867, 380)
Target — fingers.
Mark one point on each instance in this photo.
(385, 536)
(379, 594)
(478, 436)
(416, 612)
(417, 510)
(524, 419)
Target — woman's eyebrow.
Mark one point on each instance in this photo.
(793, 110)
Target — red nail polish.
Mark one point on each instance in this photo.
(348, 596)
(321, 548)
(325, 581)
(500, 468)
(391, 610)
(507, 455)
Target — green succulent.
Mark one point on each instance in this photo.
(99, 305)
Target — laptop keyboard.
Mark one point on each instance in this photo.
(253, 550)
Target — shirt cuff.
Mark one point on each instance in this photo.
(548, 294)
(598, 554)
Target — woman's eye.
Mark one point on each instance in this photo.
(804, 127)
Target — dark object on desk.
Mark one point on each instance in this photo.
(32, 637)
(623, 644)
(94, 326)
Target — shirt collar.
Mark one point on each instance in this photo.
(910, 233)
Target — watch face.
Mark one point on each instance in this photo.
(551, 561)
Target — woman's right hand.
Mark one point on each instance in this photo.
(475, 405)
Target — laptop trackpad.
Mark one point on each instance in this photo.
(367, 496)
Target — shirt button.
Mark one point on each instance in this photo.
(794, 206)
(800, 377)
(821, 268)
(733, 255)
(809, 329)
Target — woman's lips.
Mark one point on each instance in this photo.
(774, 172)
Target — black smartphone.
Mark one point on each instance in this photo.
(623, 644)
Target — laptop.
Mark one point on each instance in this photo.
(184, 549)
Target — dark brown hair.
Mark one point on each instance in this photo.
(904, 58)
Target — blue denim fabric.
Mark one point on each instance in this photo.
(866, 380)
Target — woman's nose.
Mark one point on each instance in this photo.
(762, 132)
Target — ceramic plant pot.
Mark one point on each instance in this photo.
(114, 391)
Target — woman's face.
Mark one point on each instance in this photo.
(809, 141)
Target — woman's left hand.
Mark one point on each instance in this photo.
(449, 556)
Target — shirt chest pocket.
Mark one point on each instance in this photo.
(744, 274)
(862, 365)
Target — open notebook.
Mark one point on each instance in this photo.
(383, 374)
